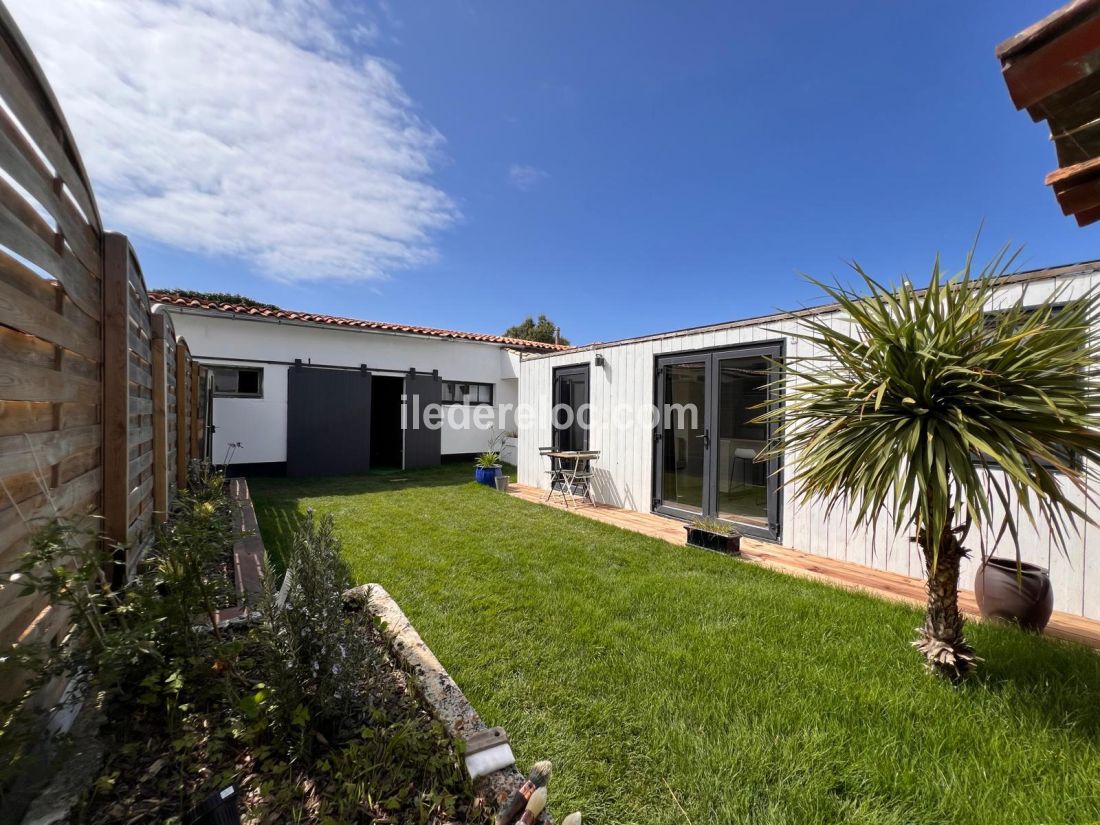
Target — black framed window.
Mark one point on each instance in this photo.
(239, 382)
(571, 408)
(467, 392)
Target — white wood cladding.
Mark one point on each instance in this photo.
(624, 472)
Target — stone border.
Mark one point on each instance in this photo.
(439, 691)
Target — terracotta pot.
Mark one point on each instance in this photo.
(1028, 601)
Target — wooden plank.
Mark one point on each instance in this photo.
(116, 416)
(140, 465)
(18, 276)
(141, 406)
(77, 463)
(1088, 216)
(196, 419)
(24, 232)
(140, 436)
(68, 499)
(182, 406)
(1069, 110)
(26, 349)
(1079, 198)
(139, 342)
(20, 311)
(138, 536)
(71, 363)
(139, 374)
(139, 500)
(30, 99)
(25, 382)
(161, 479)
(1079, 144)
(18, 417)
(34, 452)
(1062, 179)
(1049, 27)
(1056, 64)
(18, 159)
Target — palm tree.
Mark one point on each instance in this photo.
(935, 407)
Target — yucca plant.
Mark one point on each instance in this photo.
(940, 410)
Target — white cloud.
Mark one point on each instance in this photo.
(252, 128)
(524, 177)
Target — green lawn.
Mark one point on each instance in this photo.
(658, 676)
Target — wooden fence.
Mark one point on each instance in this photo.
(101, 407)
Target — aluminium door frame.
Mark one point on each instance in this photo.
(582, 368)
(660, 361)
(774, 349)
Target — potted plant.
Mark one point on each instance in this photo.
(934, 406)
(712, 534)
(486, 469)
(1014, 592)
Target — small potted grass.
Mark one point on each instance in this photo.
(712, 534)
(487, 468)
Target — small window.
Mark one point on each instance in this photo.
(459, 392)
(239, 382)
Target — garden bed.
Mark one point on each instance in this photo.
(156, 769)
(202, 686)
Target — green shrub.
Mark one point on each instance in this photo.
(317, 659)
(132, 643)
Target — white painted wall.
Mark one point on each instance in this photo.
(624, 472)
(260, 424)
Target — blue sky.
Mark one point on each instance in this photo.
(624, 167)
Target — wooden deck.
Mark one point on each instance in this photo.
(880, 583)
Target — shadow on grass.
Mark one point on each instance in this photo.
(1050, 679)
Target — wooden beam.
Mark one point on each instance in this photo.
(1062, 61)
(1087, 216)
(182, 406)
(196, 396)
(161, 482)
(1062, 179)
(116, 369)
(1080, 198)
(1049, 27)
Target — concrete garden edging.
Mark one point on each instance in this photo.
(440, 693)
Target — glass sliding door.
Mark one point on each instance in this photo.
(707, 444)
(742, 494)
(683, 442)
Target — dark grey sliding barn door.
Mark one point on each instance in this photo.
(423, 445)
(328, 421)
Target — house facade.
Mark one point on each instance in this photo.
(654, 462)
(305, 394)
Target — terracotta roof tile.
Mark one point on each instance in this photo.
(334, 320)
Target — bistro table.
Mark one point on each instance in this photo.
(571, 471)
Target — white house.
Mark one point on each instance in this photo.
(683, 468)
(308, 394)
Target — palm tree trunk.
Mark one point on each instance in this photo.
(941, 640)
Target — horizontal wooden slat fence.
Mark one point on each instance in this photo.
(101, 408)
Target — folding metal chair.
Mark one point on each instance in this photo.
(555, 471)
(578, 483)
